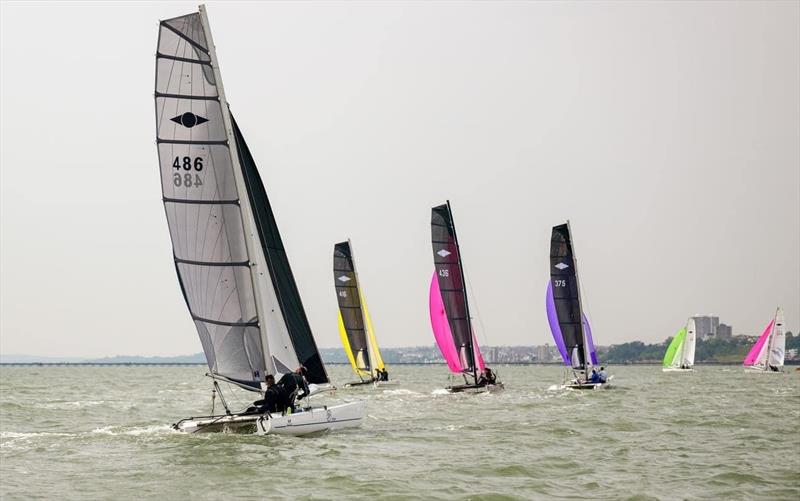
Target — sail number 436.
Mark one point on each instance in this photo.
(184, 176)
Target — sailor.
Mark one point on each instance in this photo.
(383, 374)
(490, 377)
(271, 401)
(595, 377)
(602, 375)
(292, 386)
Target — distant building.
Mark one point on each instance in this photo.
(724, 331)
(708, 326)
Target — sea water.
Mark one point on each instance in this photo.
(104, 433)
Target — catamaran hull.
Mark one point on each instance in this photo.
(752, 369)
(314, 420)
(675, 369)
(393, 383)
(575, 385)
(471, 388)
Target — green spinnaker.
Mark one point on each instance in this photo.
(674, 346)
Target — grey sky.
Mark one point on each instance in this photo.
(669, 133)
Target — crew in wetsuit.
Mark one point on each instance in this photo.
(602, 375)
(272, 401)
(381, 374)
(293, 386)
(486, 377)
(595, 377)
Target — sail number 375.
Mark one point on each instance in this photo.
(187, 172)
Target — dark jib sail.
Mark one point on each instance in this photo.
(278, 263)
(449, 273)
(349, 298)
(566, 297)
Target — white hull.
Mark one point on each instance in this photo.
(753, 369)
(576, 385)
(313, 420)
(676, 369)
(392, 383)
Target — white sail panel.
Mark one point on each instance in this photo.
(777, 344)
(689, 344)
(202, 204)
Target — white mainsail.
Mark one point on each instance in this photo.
(689, 342)
(777, 342)
(225, 274)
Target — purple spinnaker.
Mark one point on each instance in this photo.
(555, 328)
(587, 329)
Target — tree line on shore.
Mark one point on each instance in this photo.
(712, 350)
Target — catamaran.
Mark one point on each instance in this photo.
(680, 352)
(232, 267)
(568, 324)
(449, 307)
(355, 326)
(770, 349)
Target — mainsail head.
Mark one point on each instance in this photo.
(210, 185)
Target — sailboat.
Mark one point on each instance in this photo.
(449, 307)
(768, 353)
(232, 267)
(355, 326)
(568, 324)
(680, 352)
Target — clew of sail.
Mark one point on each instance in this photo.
(237, 292)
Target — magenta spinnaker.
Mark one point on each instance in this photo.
(752, 355)
(443, 334)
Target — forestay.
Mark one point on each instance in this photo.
(233, 285)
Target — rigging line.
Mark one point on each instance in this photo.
(477, 309)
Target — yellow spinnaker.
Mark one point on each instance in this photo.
(375, 353)
(349, 350)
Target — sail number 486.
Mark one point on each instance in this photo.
(184, 178)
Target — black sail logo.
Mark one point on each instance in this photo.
(189, 119)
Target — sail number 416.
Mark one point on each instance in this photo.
(184, 178)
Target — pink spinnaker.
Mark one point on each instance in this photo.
(443, 334)
(753, 356)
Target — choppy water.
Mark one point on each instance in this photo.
(91, 432)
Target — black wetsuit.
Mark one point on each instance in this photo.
(272, 402)
(292, 386)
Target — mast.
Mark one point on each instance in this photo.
(363, 314)
(251, 242)
(464, 288)
(587, 356)
(769, 343)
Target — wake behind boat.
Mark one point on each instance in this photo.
(355, 325)
(449, 309)
(568, 324)
(232, 267)
(767, 355)
(680, 352)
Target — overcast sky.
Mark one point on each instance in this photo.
(668, 133)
